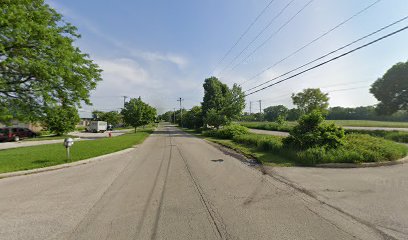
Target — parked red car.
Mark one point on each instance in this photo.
(15, 134)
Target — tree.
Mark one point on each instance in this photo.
(392, 89)
(273, 112)
(39, 64)
(193, 118)
(312, 131)
(221, 104)
(61, 119)
(311, 99)
(111, 117)
(136, 113)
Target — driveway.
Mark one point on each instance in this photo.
(378, 196)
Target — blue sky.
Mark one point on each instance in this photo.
(161, 50)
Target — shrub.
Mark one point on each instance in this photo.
(357, 148)
(312, 132)
(263, 142)
(227, 132)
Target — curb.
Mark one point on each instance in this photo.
(65, 165)
(362, 165)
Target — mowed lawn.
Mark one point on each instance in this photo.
(368, 123)
(26, 158)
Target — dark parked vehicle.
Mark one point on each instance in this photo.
(15, 134)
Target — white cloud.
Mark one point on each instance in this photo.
(123, 71)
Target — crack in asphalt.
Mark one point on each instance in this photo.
(286, 181)
(215, 217)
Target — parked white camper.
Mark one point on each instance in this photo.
(97, 126)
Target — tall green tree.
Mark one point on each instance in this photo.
(311, 99)
(136, 113)
(221, 104)
(39, 64)
(392, 89)
(61, 119)
(111, 117)
(193, 118)
(273, 112)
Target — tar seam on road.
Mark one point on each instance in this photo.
(158, 213)
(310, 194)
(205, 202)
(149, 198)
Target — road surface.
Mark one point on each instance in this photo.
(173, 186)
(376, 195)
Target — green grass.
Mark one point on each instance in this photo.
(357, 148)
(368, 123)
(48, 137)
(26, 158)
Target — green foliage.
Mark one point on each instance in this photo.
(193, 118)
(39, 64)
(357, 148)
(272, 113)
(392, 89)
(397, 136)
(53, 154)
(136, 113)
(311, 99)
(220, 104)
(312, 132)
(263, 142)
(364, 113)
(111, 117)
(228, 132)
(61, 119)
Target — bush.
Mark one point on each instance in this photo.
(312, 132)
(227, 132)
(263, 142)
(270, 126)
(357, 148)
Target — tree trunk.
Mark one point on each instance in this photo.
(135, 129)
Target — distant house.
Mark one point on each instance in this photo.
(36, 127)
(86, 118)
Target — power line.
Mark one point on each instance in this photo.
(256, 37)
(330, 53)
(272, 35)
(330, 60)
(314, 40)
(244, 33)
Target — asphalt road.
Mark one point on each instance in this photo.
(173, 186)
(376, 195)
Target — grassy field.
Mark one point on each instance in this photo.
(350, 123)
(367, 123)
(26, 158)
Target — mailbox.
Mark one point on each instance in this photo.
(68, 142)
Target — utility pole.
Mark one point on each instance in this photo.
(250, 107)
(124, 100)
(260, 106)
(181, 112)
(174, 115)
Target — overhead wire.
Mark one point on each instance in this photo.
(330, 60)
(332, 52)
(244, 33)
(257, 36)
(272, 35)
(314, 40)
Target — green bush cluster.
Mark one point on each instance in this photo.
(357, 148)
(313, 132)
(227, 132)
(263, 142)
